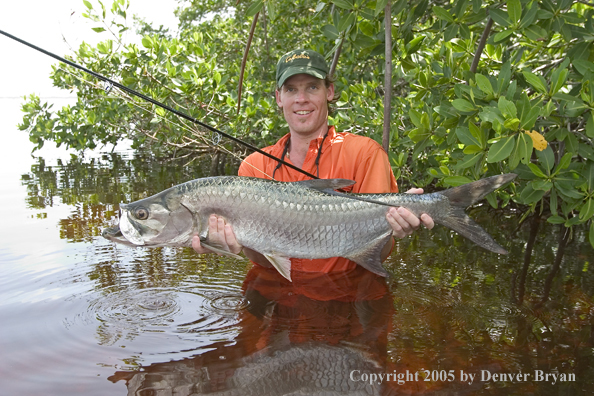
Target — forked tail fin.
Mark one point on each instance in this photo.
(468, 194)
(462, 196)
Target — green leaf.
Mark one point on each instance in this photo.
(501, 149)
(330, 32)
(88, 4)
(414, 45)
(472, 149)
(468, 161)
(546, 158)
(418, 135)
(477, 134)
(271, 9)
(491, 114)
(583, 66)
(591, 234)
(500, 17)
(590, 177)
(525, 147)
(530, 195)
(590, 126)
(535, 33)
(484, 84)
(557, 81)
(530, 16)
(564, 162)
(466, 137)
(512, 123)
(450, 32)
(587, 210)
(254, 8)
(415, 117)
(98, 29)
(507, 108)
(537, 171)
(380, 6)
(367, 28)
(347, 5)
(544, 185)
(553, 202)
(463, 105)
(443, 14)
(514, 10)
(147, 42)
(346, 22)
(455, 181)
(502, 35)
(555, 220)
(504, 77)
(536, 81)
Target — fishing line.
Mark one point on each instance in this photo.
(157, 103)
(180, 125)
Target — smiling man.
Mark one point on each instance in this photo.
(304, 92)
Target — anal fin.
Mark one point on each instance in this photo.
(281, 263)
(370, 256)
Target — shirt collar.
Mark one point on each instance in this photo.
(280, 145)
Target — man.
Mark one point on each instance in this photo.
(303, 93)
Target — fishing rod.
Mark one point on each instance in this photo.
(157, 103)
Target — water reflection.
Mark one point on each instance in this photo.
(169, 319)
(305, 337)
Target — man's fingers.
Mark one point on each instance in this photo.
(220, 234)
(400, 220)
(427, 221)
(415, 191)
(197, 246)
(404, 222)
(408, 220)
(234, 246)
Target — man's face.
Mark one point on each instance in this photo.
(304, 100)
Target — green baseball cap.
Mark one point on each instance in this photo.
(298, 62)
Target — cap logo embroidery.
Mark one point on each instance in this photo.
(296, 56)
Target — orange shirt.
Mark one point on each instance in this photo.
(344, 156)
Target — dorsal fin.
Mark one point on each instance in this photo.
(325, 184)
(328, 186)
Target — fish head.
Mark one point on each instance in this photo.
(155, 221)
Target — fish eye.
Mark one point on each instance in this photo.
(141, 213)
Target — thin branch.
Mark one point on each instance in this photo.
(244, 60)
(335, 57)
(481, 45)
(387, 77)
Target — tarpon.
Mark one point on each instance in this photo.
(314, 369)
(305, 219)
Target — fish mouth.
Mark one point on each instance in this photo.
(114, 234)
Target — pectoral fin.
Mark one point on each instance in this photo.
(281, 263)
(219, 250)
(369, 257)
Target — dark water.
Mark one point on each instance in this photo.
(82, 316)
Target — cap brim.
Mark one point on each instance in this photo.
(291, 71)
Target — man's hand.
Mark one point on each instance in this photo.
(404, 223)
(220, 234)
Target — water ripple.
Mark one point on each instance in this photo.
(184, 314)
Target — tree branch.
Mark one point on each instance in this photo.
(481, 45)
(387, 77)
(336, 56)
(244, 60)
